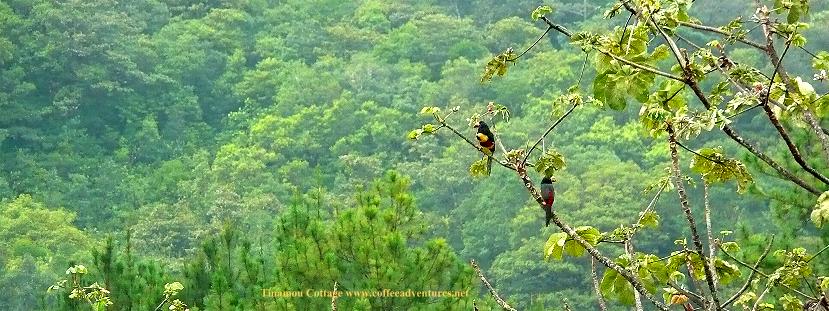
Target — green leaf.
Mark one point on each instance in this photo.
(821, 62)
(604, 89)
(541, 11)
(824, 283)
(650, 219)
(726, 271)
(554, 247)
(791, 303)
(498, 65)
(717, 168)
(731, 247)
(559, 243)
(478, 168)
(550, 162)
(615, 286)
(429, 110)
(820, 215)
(414, 134)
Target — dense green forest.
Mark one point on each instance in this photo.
(211, 151)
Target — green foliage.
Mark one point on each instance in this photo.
(479, 168)
(550, 162)
(795, 267)
(717, 168)
(791, 303)
(560, 243)
(649, 219)
(614, 286)
(821, 62)
(498, 65)
(541, 11)
(820, 213)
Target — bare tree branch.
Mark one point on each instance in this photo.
(595, 279)
(720, 32)
(683, 200)
(760, 298)
(492, 291)
(711, 243)
(637, 298)
(790, 85)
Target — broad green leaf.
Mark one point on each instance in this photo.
(550, 162)
(429, 110)
(559, 243)
(715, 167)
(820, 215)
(726, 271)
(650, 219)
(821, 62)
(498, 65)
(541, 11)
(414, 134)
(604, 90)
(731, 247)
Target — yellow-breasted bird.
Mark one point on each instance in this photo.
(487, 140)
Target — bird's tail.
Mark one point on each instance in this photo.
(488, 165)
(548, 215)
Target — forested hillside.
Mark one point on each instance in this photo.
(239, 146)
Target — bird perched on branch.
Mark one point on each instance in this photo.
(487, 140)
(548, 194)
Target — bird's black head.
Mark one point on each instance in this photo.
(546, 180)
(481, 124)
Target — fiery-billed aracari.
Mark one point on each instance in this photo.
(548, 194)
(487, 140)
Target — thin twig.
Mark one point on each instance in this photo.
(818, 253)
(567, 33)
(750, 275)
(720, 32)
(760, 298)
(550, 129)
(533, 45)
(697, 153)
(596, 287)
(492, 291)
(745, 110)
(624, 30)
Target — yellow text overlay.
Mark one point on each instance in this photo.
(385, 293)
